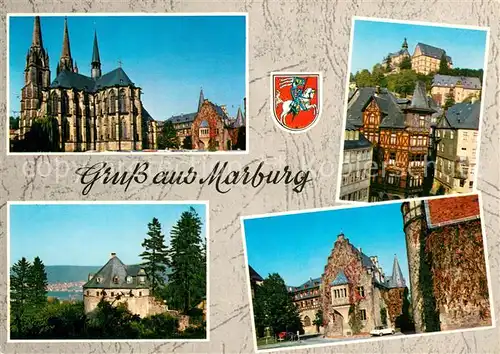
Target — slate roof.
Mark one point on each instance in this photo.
(145, 115)
(361, 143)
(69, 79)
(311, 283)
(433, 52)
(104, 277)
(450, 81)
(183, 118)
(396, 280)
(254, 275)
(449, 211)
(340, 279)
(398, 53)
(462, 116)
(392, 107)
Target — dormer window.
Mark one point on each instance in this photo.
(98, 280)
(115, 279)
(142, 279)
(129, 279)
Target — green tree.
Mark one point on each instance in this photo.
(383, 316)
(388, 63)
(318, 320)
(450, 101)
(443, 65)
(187, 143)
(168, 137)
(20, 292)
(155, 257)
(405, 64)
(364, 78)
(43, 136)
(355, 319)
(187, 259)
(274, 307)
(13, 122)
(402, 83)
(211, 145)
(378, 76)
(38, 282)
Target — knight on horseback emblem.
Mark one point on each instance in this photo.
(295, 101)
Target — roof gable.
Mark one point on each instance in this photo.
(116, 275)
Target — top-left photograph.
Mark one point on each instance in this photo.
(122, 83)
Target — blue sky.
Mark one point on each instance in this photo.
(374, 40)
(297, 246)
(169, 57)
(86, 234)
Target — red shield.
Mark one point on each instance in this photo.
(296, 99)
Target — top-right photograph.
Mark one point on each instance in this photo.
(413, 114)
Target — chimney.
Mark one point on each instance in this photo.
(360, 250)
(113, 254)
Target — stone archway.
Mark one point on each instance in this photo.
(336, 325)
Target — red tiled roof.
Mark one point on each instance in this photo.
(453, 210)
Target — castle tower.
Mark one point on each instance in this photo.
(36, 78)
(414, 227)
(96, 60)
(201, 100)
(397, 276)
(405, 44)
(65, 62)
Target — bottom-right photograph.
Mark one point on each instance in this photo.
(399, 268)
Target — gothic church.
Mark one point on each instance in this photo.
(96, 113)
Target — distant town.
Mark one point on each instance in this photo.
(412, 127)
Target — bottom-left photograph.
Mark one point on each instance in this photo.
(108, 270)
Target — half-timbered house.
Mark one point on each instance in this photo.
(400, 131)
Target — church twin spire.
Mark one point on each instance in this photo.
(66, 61)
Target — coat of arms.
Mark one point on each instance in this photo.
(296, 100)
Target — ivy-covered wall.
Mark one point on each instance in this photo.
(456, 261)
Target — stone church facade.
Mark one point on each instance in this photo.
(352, 283)
(449, 286)
(118, 283)
(100, 112)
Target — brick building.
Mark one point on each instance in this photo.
(445, 248)
(211, 126)
(101, 112)
(351, 281)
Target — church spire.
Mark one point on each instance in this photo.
(65, 62)
(76, 68)
(240, 121)
(397, 276)
(201, 100)
(96, 59)
(405, 45)
(37, 34)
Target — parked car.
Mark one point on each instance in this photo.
(380, 331)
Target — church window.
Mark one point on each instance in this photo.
(362, 315)
(307, 321)
(112, 102)
(53, 104)
(121, 102)
(124, 130)
(64, 103)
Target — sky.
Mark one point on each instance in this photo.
(297, 246)
(169, 57)
(86, 234)
(373, 40)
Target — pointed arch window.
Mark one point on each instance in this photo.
(124, 130)
(121, 101)
(53, 104)
(112, 102)
(64, 103)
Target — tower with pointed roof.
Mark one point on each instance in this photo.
(405, 45)
(96, 60)
(201, 100)
(36, 79)
(65, 61)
